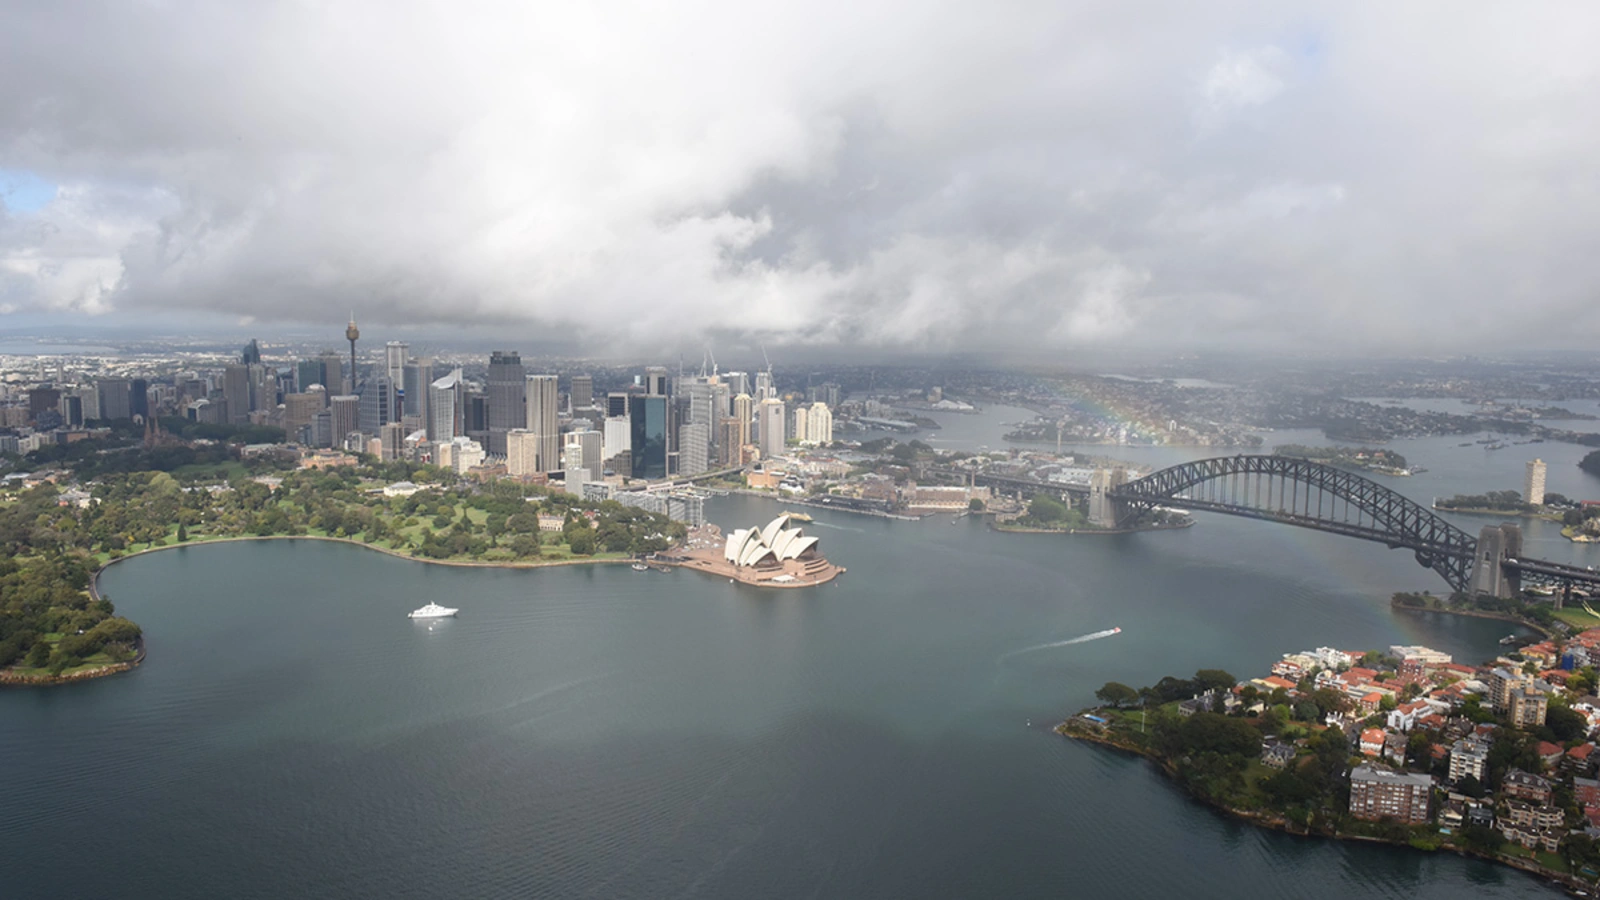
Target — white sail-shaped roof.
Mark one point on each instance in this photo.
(776, 541)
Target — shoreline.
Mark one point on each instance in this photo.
(1476, 614)
(1279, 823)
(997, 527)
(9, 678)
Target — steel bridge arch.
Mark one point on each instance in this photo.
(1309, 495)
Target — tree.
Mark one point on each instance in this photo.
(1213, 679)
(39, 655)
(1565, 725)
(1117, 694)
(1045, 508)
(582, 542)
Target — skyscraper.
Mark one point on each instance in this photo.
(1534, 492)
(139, 399)
(114, 398)
(251, 354)
(744, 410)
(764, 388)
(236, 390)
(395, 354)
(544, 420)
(346, 410)
(416, 377)
(730, 443)
(582, 394)
(333, 372)
(588, 450)
(694, 448)
(617, 438)
(799, 431)
(655, 380)
(376, 395)
(772, 430)
(299, 409)
(647, 416)
(445, 407)
(617, 405)
(507, 407)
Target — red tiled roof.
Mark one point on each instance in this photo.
(1581, 751)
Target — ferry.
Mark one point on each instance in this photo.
(433, 611)
(797, 516)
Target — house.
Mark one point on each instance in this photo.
(1579, 761)
(1394, 748)
(1372, 741)
(1277, 755)
(1520, 785)
(1404, 717)
(1369, 702)
(1550, 754)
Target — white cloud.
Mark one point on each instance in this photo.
(897, 174)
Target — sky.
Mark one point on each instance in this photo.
(893, 176)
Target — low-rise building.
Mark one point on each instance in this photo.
(1371, 743)
(1520, 785)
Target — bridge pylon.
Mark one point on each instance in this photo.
(1105, 511)
(1496, 544)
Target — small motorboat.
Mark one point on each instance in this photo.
(640, 567)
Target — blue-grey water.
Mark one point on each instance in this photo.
(597, 732)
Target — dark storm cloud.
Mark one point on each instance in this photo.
(1048, 174)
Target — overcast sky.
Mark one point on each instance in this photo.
(907, 175)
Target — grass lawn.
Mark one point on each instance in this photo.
(1576, 617)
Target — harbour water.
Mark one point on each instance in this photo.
(600, 732)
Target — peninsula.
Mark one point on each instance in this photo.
(1400, 745)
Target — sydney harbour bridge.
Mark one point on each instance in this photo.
(1313, 495)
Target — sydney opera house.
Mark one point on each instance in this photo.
(776, 555)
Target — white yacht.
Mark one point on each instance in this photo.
(433, 611)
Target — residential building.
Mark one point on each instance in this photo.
(1533, 486)
(819, 424)
(522, 453)
(1502, 681)
(1468, 756)
(798, 433)
(1381, 794)
(1520, 785)
(1527, 707)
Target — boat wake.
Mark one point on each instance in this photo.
(1080, 639)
